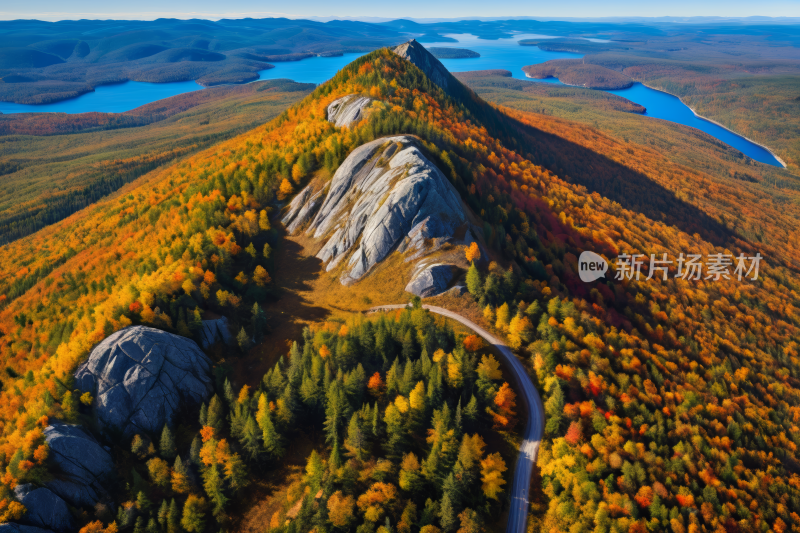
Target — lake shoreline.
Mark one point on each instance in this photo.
(696, 114)
(712, 121)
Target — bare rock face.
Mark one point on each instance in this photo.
(10, 527)
(140, 376)
(348, 110)
(385, 196)
(215, 331)
(424, 60)
(82, 465)
(431, 280)
(44, 508)
(302, 208)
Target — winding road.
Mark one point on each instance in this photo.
(534, 426)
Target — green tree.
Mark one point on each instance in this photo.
(174, 517)
(216, 415)
(315, 470)
(214, 485)
(166, 446)
(193, 515)
(356, 440)
(243, 340)
(474, 282)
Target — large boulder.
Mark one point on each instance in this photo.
(386, 195)
(44, 508)
(348, 110)
(141, 376)
(430, 280)
(83, 467)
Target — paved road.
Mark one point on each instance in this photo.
(534, 426)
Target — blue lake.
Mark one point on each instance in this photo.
(495, 54)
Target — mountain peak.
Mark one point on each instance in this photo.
(424, 60)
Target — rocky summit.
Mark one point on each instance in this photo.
(387, 195)
(424, 60)
(141, 376)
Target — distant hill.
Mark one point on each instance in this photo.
(452, 53)
(44, 62)
(576, 72)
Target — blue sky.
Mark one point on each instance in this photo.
(215, 9)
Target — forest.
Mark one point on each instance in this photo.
(671, 405)
(410, 414)
(49, 178)
(577, 72)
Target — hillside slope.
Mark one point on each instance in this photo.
(54, 165)
(671, 401)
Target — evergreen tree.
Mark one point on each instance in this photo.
(166, 445)
(194, 451)
(203, 415)
(193, 515)
(174, 517)
(163, 515)
(315, 470)
(356, 440)
(216, 413)
(213, 484)
(227, 388)
(447, 514)
(474, 282)
(471, 413)
(251, 438)
(243, 340)
(143, 504)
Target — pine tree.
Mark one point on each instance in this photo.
(474, 282)
(216, 413)
(142, 502)
(139, 527)
(315, 470)
(227, 388)
(174, 517)
(251, 438)
(213, 485)
(447, 514)
(355, 438)
(243, 340)
(471, 412)
(408, 345)
(554, 408)
(163, 515)
(167, 444)
(270, 437)
(236, 473)
(194, 451)
(203, 415)
(193, 515)
(376, 421)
